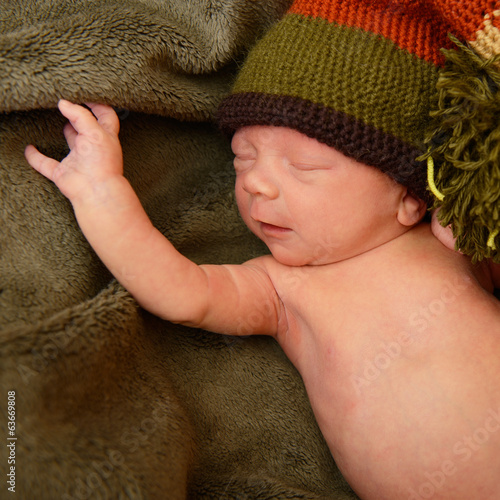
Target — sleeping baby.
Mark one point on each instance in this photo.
(396, 337)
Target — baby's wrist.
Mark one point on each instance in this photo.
(112, 193)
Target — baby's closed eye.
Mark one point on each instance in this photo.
(243, 162)
(310, 166)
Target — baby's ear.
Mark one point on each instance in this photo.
(411, 209)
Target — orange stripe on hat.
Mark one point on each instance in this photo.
(413, 26)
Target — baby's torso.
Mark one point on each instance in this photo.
(401, 361)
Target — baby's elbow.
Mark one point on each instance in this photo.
(192, 315)
(186, 311)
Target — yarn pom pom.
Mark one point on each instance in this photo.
(464, 141)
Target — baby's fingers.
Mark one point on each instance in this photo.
(41, 163)
(82, 120)
(90, 123)
(106, 117)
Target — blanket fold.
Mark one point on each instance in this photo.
(112, 402)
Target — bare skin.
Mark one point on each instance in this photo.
(397, 337)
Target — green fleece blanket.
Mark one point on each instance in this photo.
(99, 399)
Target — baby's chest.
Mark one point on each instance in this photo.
(325, 334)
(323, 315)
(334, 322)
(338, 337)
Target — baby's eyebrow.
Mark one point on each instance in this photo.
(316, 159)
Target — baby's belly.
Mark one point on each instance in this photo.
(406, 420)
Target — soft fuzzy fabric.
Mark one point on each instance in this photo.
(111, 402)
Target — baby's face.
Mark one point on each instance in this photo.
(309, 203)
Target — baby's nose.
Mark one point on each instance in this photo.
(259, 180)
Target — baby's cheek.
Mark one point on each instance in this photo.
(242, 202)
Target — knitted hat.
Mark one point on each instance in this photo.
(369, 78)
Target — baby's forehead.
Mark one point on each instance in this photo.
(270, 135)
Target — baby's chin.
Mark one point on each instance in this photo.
(321, 257)
(291, 259)
(296, 252)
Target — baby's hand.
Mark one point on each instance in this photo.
(443, 234)
(95, 151)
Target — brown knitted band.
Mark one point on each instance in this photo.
(336, 129)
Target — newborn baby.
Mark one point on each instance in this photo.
(397, 338)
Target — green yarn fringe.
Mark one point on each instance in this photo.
(464, 141)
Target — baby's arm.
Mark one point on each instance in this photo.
(217, 298)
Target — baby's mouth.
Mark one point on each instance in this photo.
(272, 230)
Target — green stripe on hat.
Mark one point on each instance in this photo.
(346, 69)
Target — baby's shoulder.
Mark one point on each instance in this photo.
(434, 264)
